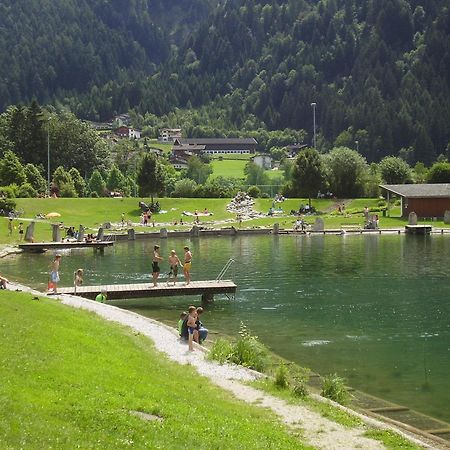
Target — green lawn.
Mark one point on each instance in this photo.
(275, 174)
(228, 168)
(226, 156)
(165, 147)
(72, 380)
(92, 213)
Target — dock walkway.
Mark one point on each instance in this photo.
(207, 289)
(40, 247)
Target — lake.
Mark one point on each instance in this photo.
(373, 308)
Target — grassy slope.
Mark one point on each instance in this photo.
(94, 212)
(228, 168)
(69, 380)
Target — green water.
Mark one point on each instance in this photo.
(375, 309)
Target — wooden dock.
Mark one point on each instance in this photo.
(418, 229)
(40, 247)
(207, 289)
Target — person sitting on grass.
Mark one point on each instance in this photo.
(200, 331)
(101, 297)
(183, 316)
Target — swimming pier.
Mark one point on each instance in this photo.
(207, 289)
(41, 247)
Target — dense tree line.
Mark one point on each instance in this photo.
(66, 47)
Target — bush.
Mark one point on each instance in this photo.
(67, 190)
(333, 387)
(247, 351)
(221, 351)
(282, 376)
(6, 206)
(9, 191)
(26, 191)
(254, 191)
(299, 388)
(94, 194)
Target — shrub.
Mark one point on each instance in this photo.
(9, 191)
(221, 351)
(26, 191)
(282, 376)
(298, 383)
(94, 194)
(333, 387)
(254, 191)
(6, 206)
(67, 190)
(247, 351)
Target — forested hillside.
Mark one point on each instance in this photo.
(50, 50)
(378, 70)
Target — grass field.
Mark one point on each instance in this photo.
(165, 147)
(227, 156)
(71, 380)
(228, 168)
(92, 213)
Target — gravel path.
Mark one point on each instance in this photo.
(320, 432)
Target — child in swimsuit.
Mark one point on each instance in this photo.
(191, 323)
(79, 277)
(174, 262)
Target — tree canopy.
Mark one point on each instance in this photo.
(308, 175)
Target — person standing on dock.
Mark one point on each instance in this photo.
(54, 274)
(155, 265)
(174, 262)
(187, 264)
(78, 279)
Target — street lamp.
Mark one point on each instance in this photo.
(48, 156)
(357, 146)
(314, 124)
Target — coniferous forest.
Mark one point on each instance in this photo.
(378, 70)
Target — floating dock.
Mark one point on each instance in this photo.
(40, 247)
(207, 289)
(418, 229)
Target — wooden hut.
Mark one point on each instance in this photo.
(426, 200)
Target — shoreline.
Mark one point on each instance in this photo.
(318, 430)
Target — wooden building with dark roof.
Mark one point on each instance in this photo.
(426, 200)
(217, 145)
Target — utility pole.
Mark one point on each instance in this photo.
(314, 124)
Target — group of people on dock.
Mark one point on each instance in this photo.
(191, 328)
(174, 263)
